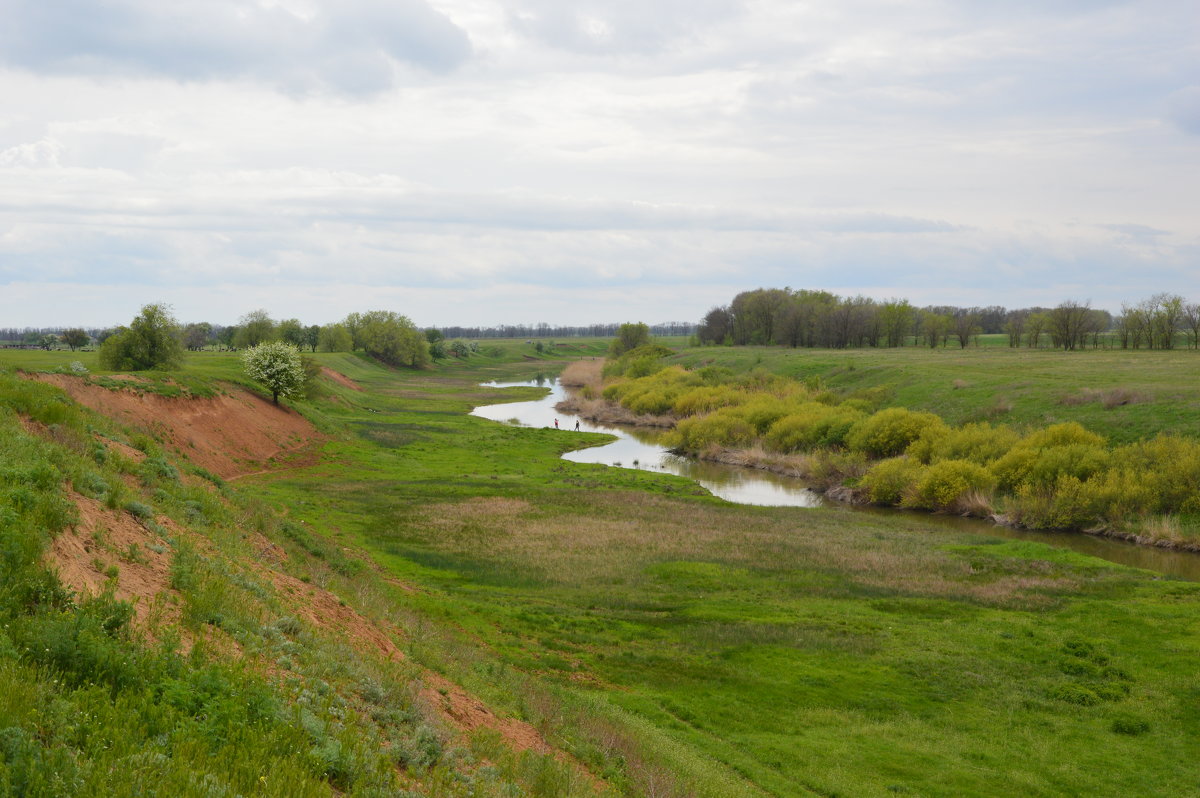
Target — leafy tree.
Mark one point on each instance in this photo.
(227, 336)
(277, 365)
(353, 324)
(437, 350)
(75, 338)
(629, 336)
(393, 339)
(433, 335)
(335, 338)
(254, 328)
(196, 336)
(312, 336)
(151, 341)
(291, 331)
(459, 349)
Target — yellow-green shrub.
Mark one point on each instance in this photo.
(722, 428)
(942, 485)
(763, 411)
(888, 481)
(980, 443)
(1170, 468)
(812, 425)
(1041, 467)
(889, 432)
(707, 398)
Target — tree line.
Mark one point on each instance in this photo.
(544, 330)
(820, 319)
(154, 339)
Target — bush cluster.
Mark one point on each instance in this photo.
(1062, 476)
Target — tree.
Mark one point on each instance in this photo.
(291, 331)
(1015, 326)
(1066, 323)
(277, 365)
(459, 349)
(353, 324)
(227, 336)
(393, 339)
(629, 336)
(965, 325)
(936, 327)
(75, 338)
(151, 341)
(1191, 321)
(312, 336)
(433, 335)
(716, 327)
(1035, 325)
(335, 338)
(254, 328)
(197, 336)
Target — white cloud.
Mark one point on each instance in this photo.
(351, 46)
(484, 161)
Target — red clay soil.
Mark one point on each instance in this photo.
(104, 538)
(340, 379)
(230, 435)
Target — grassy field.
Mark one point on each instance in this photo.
(679, 645)
(1121, 394)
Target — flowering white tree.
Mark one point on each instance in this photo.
(277, 366)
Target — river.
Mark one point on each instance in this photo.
(639, 447)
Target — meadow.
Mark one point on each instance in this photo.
(678, 645)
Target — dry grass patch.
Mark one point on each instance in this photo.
(1109, 399)
(617, 536)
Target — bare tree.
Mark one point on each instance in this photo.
(1066, 323)
(965, 325)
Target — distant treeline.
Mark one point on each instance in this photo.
(803, 318)
(249, 330)
(543, 330)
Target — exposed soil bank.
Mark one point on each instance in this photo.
(230, 435)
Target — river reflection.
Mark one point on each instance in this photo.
(638, 447)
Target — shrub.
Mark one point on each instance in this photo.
(812, 425)
(707, 398)
(1129, 724)
(1075, 694)
(889, 481)
(889, 432)
(980, 443)
(944, 484)
(721, 428)
(1042, 466)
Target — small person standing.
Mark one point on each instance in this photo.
(556, 423)
(577, 425)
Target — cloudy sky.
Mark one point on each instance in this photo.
(578, 161)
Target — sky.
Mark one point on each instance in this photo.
(476, 162)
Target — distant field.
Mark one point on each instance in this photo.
(1016, 386)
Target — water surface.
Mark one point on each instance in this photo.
(639, 447)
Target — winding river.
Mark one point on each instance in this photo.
(638, 447)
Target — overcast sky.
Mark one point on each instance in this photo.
(579, 161)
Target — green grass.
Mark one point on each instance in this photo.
(793, 651)
(674, 642)
(998, 384)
